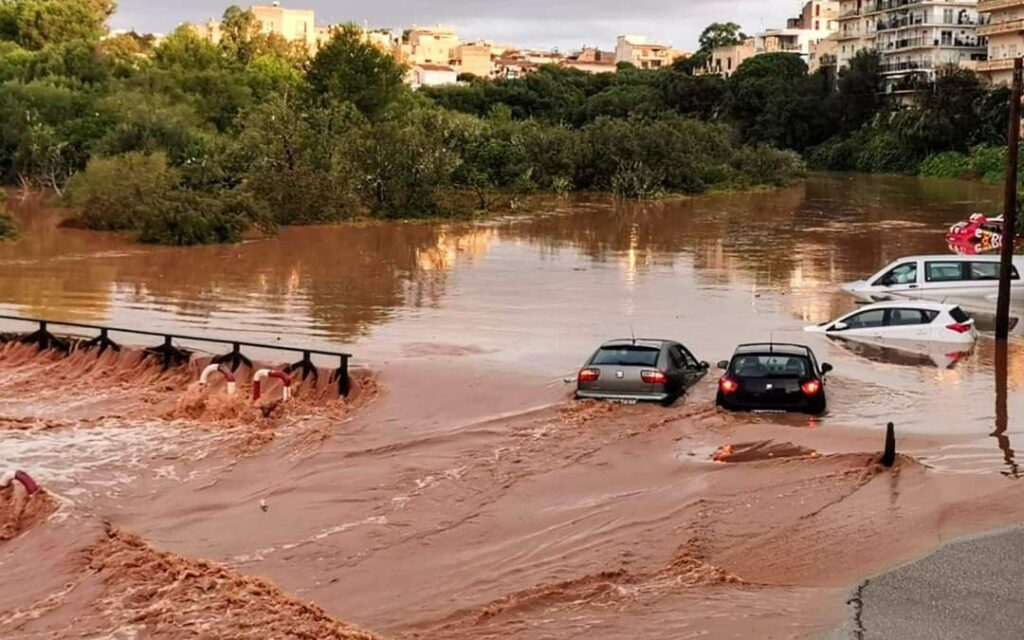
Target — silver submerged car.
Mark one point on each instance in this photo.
(639, 370)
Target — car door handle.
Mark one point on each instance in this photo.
(913, 286)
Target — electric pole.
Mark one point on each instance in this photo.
(1010, 205)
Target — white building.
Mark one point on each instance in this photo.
(1003, 25)
(432, 75)
(817, 21)
(856, 30)
(916, 37)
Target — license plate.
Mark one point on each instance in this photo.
(626, 401)
(767, 411)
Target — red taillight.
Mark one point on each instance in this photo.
(589, 375)
(959, 327)
(811, 387)
(653, 377)
(728, 385)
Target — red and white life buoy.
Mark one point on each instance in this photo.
(31, 487)
(263, 374)
(204, 379)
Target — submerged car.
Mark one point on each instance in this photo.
(910, 321)
(773, 377)
(639, 370)
(959, 278)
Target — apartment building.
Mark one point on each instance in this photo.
(591, 60)
(856, 30)
(476, 58)
(437, 45)
(1003, 26)
(642, 54)
(918, 37)
(818, 20)
(725, 60)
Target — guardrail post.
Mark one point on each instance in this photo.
(44, 340)
(169, 354)
(344, 382)
(236, 358)
(306, 366)
(102, 341)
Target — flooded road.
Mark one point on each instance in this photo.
(538, 293)
(461, 495)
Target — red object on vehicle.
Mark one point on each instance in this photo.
(653, 377)
(811, 387)
(959, 327)
(26, 481)
(728, 385)
(589, 375)
(978, 234)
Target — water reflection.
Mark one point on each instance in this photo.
(1002, 360)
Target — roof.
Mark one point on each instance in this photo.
(768, 347)
(907, 304)
(949, 257)
(435, 67)
(639, 342)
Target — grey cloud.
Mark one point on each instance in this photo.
(566, 24)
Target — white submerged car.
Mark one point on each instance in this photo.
(907, 322)
(974, 279)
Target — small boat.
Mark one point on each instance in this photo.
(978, 234)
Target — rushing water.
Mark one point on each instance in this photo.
(538, 292)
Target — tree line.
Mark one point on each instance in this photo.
(185, 142)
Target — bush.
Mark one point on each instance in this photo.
(120, 193)
(187, 218)
(950, 164)
(8, 230)
(989, 163)
(764, 165)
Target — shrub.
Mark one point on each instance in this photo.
(8, 230)
(188, 218)
(119, 193)
(950, 164)
(989, 163)
(764, 165)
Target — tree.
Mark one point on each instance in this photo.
(186, 50)
(8, 229)
(118, 193)
(858, 98)
(36, 23)
(349, 69)
(720, 34)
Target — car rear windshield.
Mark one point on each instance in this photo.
(959, 315)
(628, 356)
(772, 366)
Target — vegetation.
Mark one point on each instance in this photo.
(8, 230)
(189, 142)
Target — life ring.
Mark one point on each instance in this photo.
(263, 374)
(204, 379)
(31, 487)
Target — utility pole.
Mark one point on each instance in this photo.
(1010, 204)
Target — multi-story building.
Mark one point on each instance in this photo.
(818, 20)
(917, 37)
(437, 45)
(294, 25)
(591, 60)
(1003, 25)
(642, 54)
(476, 58)
(856, 31)
(725, 60)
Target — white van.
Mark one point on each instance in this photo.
(939, 277)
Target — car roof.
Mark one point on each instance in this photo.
(950, 257)
(774, 348)
(907, 304)
(638, 342)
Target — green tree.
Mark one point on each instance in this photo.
(349, 69)
(119, 193)
(858, 96)
(35, 24)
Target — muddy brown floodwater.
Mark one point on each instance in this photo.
(460, 493)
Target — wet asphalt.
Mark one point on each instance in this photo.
(971, 589)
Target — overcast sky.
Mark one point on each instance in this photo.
(566, 24)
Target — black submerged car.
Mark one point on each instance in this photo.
(773, 377)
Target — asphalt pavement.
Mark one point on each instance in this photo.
(971, 589)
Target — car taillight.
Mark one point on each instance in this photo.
(811, 387)
(589, 375)
(653, 377)
(728, 385)
(959, 327)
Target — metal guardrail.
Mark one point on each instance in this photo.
(172, 356)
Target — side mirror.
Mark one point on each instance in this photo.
(704, 365)
(839, 326)
(826, 368)
(723, 365)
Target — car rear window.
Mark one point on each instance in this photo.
(628, 356)
(959, 315)
(772, 366)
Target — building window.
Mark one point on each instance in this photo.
(947, 16)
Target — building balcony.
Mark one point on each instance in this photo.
(907, 22)
(989, 6)
(998, 28)
(989, 66)
(883, 6)
(928, 43)
(894, 68)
